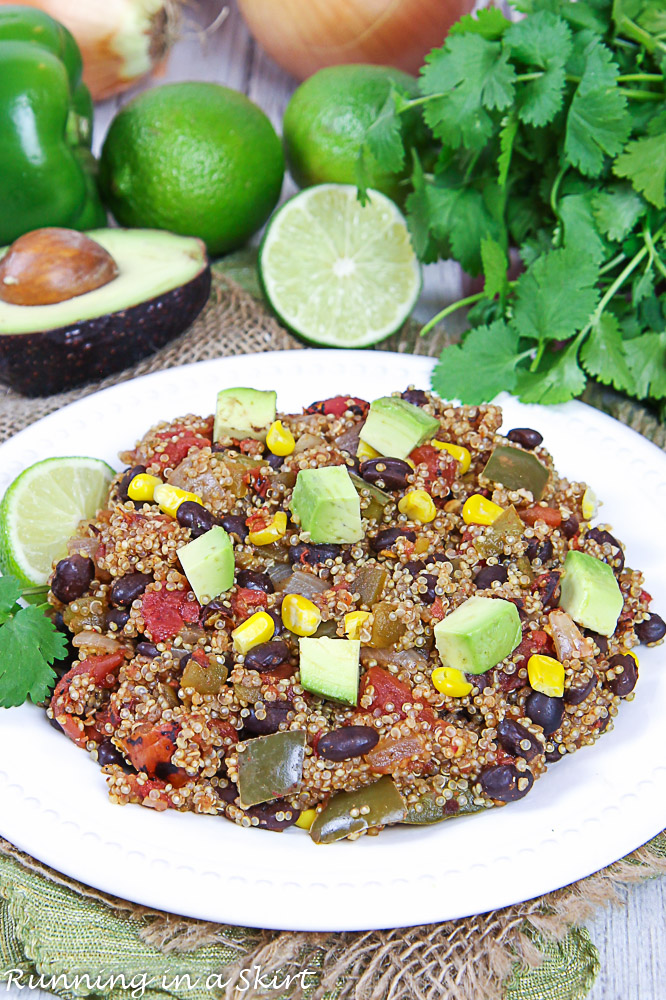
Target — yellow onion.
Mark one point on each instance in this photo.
(121, 41)
(303, 36)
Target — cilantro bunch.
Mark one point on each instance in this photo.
(549, 137)
(29, 643)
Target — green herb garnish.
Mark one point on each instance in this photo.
(29, 643)
(550, 137)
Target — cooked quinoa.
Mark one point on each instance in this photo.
(156, 688)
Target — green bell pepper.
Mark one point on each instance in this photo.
(46, 167)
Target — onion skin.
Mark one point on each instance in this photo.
(303, 36)
(121, 41)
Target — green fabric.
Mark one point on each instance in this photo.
(568, 972)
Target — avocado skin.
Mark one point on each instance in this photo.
(40, 364)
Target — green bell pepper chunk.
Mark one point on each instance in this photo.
(517, 470)
(428, 811)
(46, 167)
(352, 812)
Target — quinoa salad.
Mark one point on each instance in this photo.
(355, 616)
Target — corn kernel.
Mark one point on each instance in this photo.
(410, 463)
(306, 819)
(273, 532)
(300, 615)
(451, 682)
(589, 504)
(546, 674)
(170, 498)
(458, 452)
(256, 629)
(421, 545)
(279, 439)
(364, 451)
(142, 487)
(353, 623)
(479, 510)
(418, 506)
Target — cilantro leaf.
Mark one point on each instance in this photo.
(559, 380)
(580, 229)
(384, 137)
(506, 139)
(646, 357)
(549, 305)
(460, 219)
(489, 22)
(603, 354)
(495, 265)
(542, 41)
(10, 591)
(599, 122)
(617, 209)
(643, 162)
(466, 78)
(483, 365)
(29, 643)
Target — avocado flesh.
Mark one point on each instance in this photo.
(150, 263)
(327, 505)
(590, 593)
(244, 413)
(478, 635)
(330, 668)
(208, 564)
(395, 427)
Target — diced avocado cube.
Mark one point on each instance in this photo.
(330, 668)
(478, 635)
(270, 766)
(244, 413)
(351, 812)
(208, 563)
(326, 505)
(590, 593)
(517, 470)
(395, 427)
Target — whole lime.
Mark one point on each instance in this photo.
(198, 159)
(327, 118)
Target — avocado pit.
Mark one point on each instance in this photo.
(53, 265)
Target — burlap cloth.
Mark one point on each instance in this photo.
(52, 926)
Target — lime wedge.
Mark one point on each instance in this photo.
(338, 273)
(41, 509)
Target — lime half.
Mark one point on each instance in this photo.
(41, 509)
(339, 273)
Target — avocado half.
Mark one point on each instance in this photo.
(162, 285)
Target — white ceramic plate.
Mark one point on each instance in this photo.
(587, 811)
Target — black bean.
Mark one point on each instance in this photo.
(600, 640)
(429, 595)
(347, 742)
(605, 538)
(537, 550)
(215, 607)
(511, 736)
(275, 461)
(72, 578)
(505, 782)
(108, 753)
(126, 589)
(488, 574)
(194, 516)
(545, 711)
(481, 681)
(56, 725)
(548, 589)
(253, 580)
(387, 537)
(275, 711)
(625, 674)
(129, 475)
(415, 566)
(652, 629)
(267, 814)
(59, 623)
(554, 752)
(577, 693)
(267, 656)
(525, 436)
(118, 617)
(229, 793)
(235, 525)
(570, 527)
(416, 397)
(386, 473)
(277, 619)
(313, 555)
(147, 649)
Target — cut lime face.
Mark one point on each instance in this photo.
(338, 273)
(41, 509)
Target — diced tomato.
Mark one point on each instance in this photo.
(437, 610)
(142, 789)
(258, 521)
(175, 451)
(645, 597)
(278, 673)
(150, 749)
(387, 691)
(245, 602)
(503, 757)
(440, 464)
(166, 611)
(551, 516)
(534, 642)
(392, 755)
(224, 729)
(337, 405)
(102, 670)
(257, 481)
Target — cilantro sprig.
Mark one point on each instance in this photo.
(550, 139)
(29, 643)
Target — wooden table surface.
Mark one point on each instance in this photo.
(631, 939)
